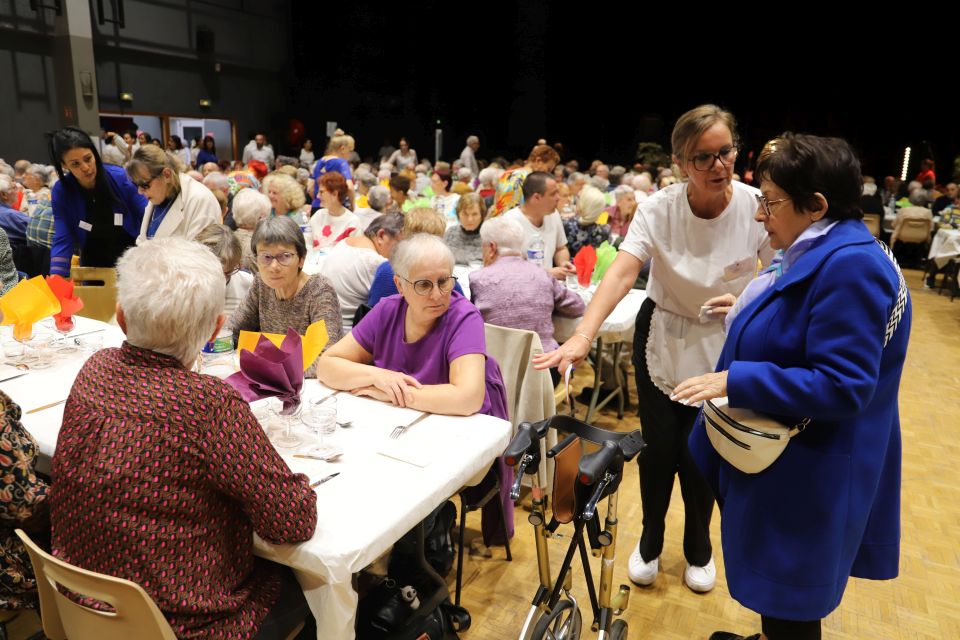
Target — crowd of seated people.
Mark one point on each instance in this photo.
(391, 232)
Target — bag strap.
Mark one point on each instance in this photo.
(900, 306)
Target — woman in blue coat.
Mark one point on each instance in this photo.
(97, 210)
(809, 339)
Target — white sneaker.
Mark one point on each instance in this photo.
(640, 571)
(701, 579)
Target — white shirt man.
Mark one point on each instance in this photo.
(538, 215)
(467, 157)
(258, 149)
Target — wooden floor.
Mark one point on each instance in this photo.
(922, 604)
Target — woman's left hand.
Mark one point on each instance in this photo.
(373, 392)
(699, 388)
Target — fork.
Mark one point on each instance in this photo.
(400, 429)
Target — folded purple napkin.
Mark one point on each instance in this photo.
(270, 371)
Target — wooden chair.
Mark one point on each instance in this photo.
(872, 221)
(97, 287)
(135, 614)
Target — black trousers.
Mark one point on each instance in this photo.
(666, 426)
(288, 611)
(777, 629)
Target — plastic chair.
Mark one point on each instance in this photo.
(97, 287)
(135, 615)
(872, 220)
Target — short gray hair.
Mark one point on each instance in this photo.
(171, 291)
(221, 241)
(366, 178)
(473, 139)
(384, 173)
(490, 175)
(464, 173)
(249, 207)
(417, 249)
(918, 197)
(41, 171)
(389, 223)
(279, 230)
(378, 198)
(7, 184)
(217, 181)
(506, 233)
(576, 177)
(623, 191)
(599, 182)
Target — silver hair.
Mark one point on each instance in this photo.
(365, 178)
(384, 173)
(217, 181)
(389, 223)
(599, 182)
(171, 291)
(221, 241)
(642, 182)
(464, 173)
(473, 140)
(506, 233)
(576, 177)
(490, 175)
(622, 192)
(7, 184)
(279, 230)
(918, 197)
(41, 171)
(7, 170)
(378, 198)
(418, 249)
(249, 207)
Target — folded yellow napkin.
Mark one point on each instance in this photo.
(29, 301)
(313, 341)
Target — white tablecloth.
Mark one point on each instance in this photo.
(618, 326)
(362, 512)
(945, 247)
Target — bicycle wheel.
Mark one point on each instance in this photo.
(618, 630)
(563, 623)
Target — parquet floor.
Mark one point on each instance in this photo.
(922, 604)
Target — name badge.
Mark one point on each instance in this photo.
(86, 226)
(739, 269)
(118, 219)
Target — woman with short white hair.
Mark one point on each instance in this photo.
(377, 200)
(583, 229)
(249, 208)
(511, 292)
(221, 241)
(620, 213)
(37, 194)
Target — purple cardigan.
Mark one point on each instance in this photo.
(517, 294)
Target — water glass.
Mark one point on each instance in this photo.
(91, 344)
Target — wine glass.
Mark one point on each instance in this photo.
(63, 326)
(321, 418)
(288, 439)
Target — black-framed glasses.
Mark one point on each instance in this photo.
(285, 259)
(146, 183)
(765, 204)
(705, 160)
(231, 273)
(425, 287)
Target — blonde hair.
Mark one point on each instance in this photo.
(340, 141)
(590, 204)
(693, 124)
(152, 160)
(289, 189)
(424, 220)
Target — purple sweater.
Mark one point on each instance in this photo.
(517, 294)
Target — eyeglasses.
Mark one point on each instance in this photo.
(231, 273)
(425, 287)
(146, 184)
(284, 259)
(704, 161)
(765, 204)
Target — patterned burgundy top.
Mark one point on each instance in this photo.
(161, 476)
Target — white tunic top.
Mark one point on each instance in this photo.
(693, 260)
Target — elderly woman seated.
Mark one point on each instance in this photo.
(378, 200)
(583, 230)
(165, 430)
(464, 238)
(282, 295)
(352, 264)
(285, 193)
(422, 348)
(249, 208)
(417, 220)
(511, 292)
(621, 212)
(224, 244)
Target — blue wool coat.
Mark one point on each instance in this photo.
(69, 209)
(812, 346)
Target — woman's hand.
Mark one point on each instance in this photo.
(705, 387)
(371, 392)
(395, 386)
(570, 352)
(721, 305)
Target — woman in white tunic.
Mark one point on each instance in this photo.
(704, 243)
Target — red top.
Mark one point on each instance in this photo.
(161, 476)
(926, 174)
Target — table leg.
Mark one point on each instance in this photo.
(619, 393)
(597, 365)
